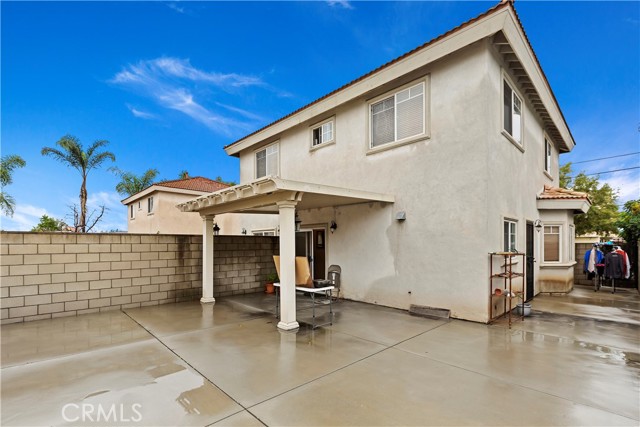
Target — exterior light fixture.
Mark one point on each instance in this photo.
(216, 229)
(297, 221)
(537, 224)
(333, 226)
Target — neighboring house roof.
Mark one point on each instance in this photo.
(550, 192)
(235, 147)
(197, 183)
(195, 186)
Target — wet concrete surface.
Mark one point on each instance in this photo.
(228, 365)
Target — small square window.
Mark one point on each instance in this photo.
(322, 134)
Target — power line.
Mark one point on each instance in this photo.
(611, 171)
(605, 158)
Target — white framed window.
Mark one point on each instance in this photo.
(510, 234)
(323, 133)
(132, 212)
(150, 205)
(552, 243)
(398, 117)
(139, 206)
(512, 112)
(547, 156)
(265, 232)
(267, 161)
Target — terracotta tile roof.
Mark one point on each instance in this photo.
(197, 183)
(550, 192)
(498, 6)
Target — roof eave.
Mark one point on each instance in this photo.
(578, 206)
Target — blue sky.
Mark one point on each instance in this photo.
(170, 83)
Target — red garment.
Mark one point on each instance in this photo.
(625, 263)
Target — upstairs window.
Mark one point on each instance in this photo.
(510, 235)
(512, 113)
(322, 134)
(398, 117)
(132, 211)
(267, 161)
(150, 205)
(547, 156)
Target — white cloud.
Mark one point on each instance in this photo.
(24, 218)
(139, 113)
(340, 3)
(175, 7)
(627, 183)
(245, 113)
(109, 199)
(171, 82)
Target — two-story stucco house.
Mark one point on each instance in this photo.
(415, 172)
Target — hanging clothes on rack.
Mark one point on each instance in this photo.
(592, 257)
(625, 261)
(613, 266)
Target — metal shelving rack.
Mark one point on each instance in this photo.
(506, 292)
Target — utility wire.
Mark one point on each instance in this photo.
(605, 158)
(611, 171)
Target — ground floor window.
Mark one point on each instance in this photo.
(510, 235)
(551, 243)
(269, 232)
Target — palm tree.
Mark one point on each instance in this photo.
(130, 183)
(74, 155)
(183, 174)
(7, 165)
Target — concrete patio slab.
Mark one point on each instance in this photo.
(412, 390)
(241, 419)
(165, 389)
(169, 319)
(41, 340)
(228, 364)
(253, 361)
(622, 307)
(574, 370)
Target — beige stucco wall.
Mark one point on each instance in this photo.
(456, 188)
(167, 219)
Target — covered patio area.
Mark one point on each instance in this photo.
(227, 364)
(271, 195)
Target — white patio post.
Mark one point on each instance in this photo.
(207, 260)
(287, 266)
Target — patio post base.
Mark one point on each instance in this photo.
(207, 300)
(288, 326)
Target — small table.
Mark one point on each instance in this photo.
(325, 290)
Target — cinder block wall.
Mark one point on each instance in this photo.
(48, 275)
(579, 278)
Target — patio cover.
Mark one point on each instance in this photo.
(262, 195)
(276, 196)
